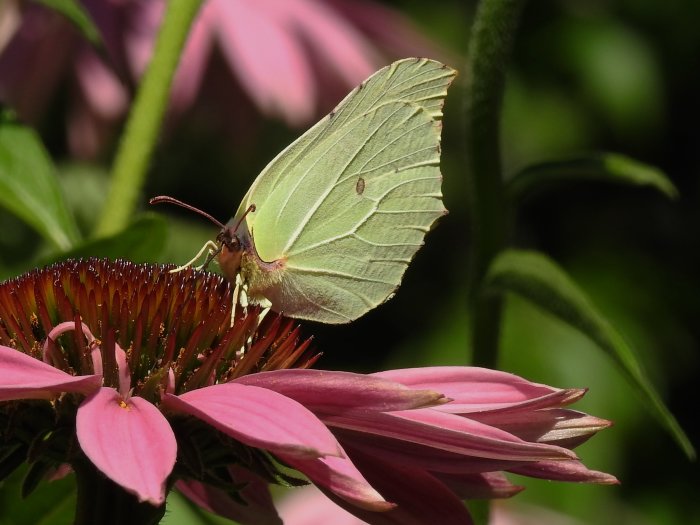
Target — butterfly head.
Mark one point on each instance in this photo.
(233, 239)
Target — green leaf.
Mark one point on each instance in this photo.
(141, 241)
(610, 167)
(50, 504)
(78, 15)
(539, 279)
(29, 188)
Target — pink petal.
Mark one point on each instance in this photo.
(9, 22)
(425, 458)
(123, 370)
(258, 508)
(563, 427)
(389, 29)
(553, 399)
(341, 477)
(24, 377)
(486, 485)
(448, 432)
(269, 60)
(475, 388)
(142, 29)
(340, 45)
(421, 456)
(259, 418)
(58, 472)
(564, 471)
(419, 496)
(130, 442)
(325, 392)
(101, 89)
(194, 59)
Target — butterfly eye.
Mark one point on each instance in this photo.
(229, 238)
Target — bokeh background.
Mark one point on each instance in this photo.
(586, 75)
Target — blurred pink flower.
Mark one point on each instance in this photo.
(293, 58)
(308, 506)
(520, 514)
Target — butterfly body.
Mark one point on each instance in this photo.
(238, 257)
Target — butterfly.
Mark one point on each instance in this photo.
(328, 228)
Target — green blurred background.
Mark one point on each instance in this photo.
(586, 76)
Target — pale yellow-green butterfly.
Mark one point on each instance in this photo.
(328, 228)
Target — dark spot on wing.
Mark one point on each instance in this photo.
(360, 186)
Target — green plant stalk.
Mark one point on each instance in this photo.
(142, 127)
(489, 50)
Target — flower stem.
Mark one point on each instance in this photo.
(100, 500)
(489, 49)
(143, 124)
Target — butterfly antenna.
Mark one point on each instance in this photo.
(172, 200)
(250, 209)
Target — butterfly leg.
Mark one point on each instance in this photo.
(209, 247)
(240, 296)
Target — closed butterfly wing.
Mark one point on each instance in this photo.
(341, 212)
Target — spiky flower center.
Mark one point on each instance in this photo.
(167, 323)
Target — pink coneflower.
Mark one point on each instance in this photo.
(136, 378)
(293, 59)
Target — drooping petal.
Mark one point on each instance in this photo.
(485, 485)
(448, 432)
(194, 60)
(419, 496)
(553, 399)
(123, 370)
(41, 41)
(391, 29)
(139, 34)
(255, 45)
(130, 442)
(327, 392)
(100, 87)
(24, 377)
(564, 471)
(562, 427)
(340, 45)
(475, 388)
(258, 417)
(58, 472)
(421, 456)
(258, 508)
(340, 477)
